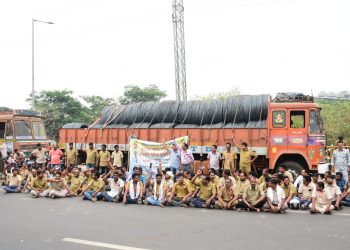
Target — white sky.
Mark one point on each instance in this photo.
(97, 47)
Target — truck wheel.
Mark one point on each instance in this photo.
(292, 165)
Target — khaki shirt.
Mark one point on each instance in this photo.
(227, 194)
(105, 157)
(288, 190)
(40, 184)
(71, 156)
(322, 197)
(306, 192)
(91, 156)
(253, 195)
(117, 158)
(13, 180)
(58, 186)
(40, 155)
(75, 182)
(245, 158)
(96, 185)
(334, 190)
(241, 186)
(290, 176)
(182, 190)
(207, 191)
(229, 157)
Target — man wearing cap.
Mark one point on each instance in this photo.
(104, 160)
(91, 157)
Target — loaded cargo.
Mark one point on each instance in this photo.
(285, 130)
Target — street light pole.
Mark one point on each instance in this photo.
(33, 91)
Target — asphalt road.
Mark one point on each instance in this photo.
(27, 223)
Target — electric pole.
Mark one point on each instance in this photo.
(179, 50)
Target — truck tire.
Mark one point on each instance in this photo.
(292, 165)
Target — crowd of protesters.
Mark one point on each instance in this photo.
(228, 185)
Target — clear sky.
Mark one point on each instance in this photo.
(97, 47)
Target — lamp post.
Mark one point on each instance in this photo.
(33, 95)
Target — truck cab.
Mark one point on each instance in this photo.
(296, 136)
(22, 129)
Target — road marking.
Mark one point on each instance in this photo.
(100, 244)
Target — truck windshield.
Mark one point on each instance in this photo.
(39, 131)
(23, 130)
(315, 122)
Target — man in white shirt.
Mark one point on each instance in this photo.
(299, 180)
(275, 198)
(116, 185)
(305, 191)
(214, 159)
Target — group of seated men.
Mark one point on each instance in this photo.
(235, 190)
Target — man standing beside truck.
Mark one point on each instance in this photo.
(245, 157)
(71, 156)
(91, 157)
(341, 159)
(228, 158)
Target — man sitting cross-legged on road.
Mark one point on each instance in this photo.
(321, 200)
(207, 192)
(332, 187)
(76, 181)
(93, 190)
(58, 186)
(14, 181)
(158, 191)
(226, 196)
(305, 191)
(253, 196)
(39, 186)
(181, 192)
(289, 191)
(133, 193)
(116, 185)
(242, 184)
(275, 198)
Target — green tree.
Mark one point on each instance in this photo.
(133, 94)
(336, 119)
(96, 104)
(59, 107)
(5, 109)
(218, 95)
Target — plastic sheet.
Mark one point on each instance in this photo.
(232, 112)
(75, 125)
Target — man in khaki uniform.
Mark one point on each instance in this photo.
(91, 157)
(226, 196)
(104, 160)
(93, 190)
(253, 196)
(39, 186)
(229, 158)
(207, 191)
(71, 156)
(40, 154)
(305, 191)
(321, 200)
(289, 190)
(181, 192)
(117, 157)
(245, 157)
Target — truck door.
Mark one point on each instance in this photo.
(278, 131)
(297, 129)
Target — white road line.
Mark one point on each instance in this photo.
(100, 244)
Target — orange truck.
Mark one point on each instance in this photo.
(286, 130)
(22, 129)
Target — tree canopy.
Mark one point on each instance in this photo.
(134, 94)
